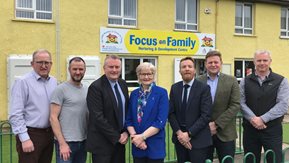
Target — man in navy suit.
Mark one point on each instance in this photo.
(189, 117)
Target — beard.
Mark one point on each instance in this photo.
(75, 79)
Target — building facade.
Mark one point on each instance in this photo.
(157, 31)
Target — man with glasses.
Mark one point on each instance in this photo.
(29, 111)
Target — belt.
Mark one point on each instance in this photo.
(48, 129)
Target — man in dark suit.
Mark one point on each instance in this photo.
(107, 104)
(189, 117)
(226, 104)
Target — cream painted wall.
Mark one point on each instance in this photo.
(19, 37)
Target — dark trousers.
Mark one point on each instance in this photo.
(77, 154)
(43, 146)
(223, 149)
(194, 155)
(269, 138)
(118, 156)
(147, 160)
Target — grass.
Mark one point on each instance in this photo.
(286, 133)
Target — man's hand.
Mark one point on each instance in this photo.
(213, 128)
(123, 138)
(64, 151)
(258, 123)
(184, 139)
(27, 146)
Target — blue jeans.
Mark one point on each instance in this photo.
(77, 155)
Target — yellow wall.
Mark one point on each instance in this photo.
(79, 27)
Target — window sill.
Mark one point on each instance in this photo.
(284, 37)
(183, 30)
(121, 26)
(244, 35)
(34, 20)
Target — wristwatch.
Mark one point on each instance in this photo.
(143, 136)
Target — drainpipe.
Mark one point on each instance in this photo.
(57, 37)
(216, 21)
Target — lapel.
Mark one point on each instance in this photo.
(112, 96)
(192, 94)
(125, 93)
(150, 104)
(179, 91)
(220, 86)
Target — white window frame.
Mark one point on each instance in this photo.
(141, 61)
(34, 10)
(186, 16)
(243, 74)
(286, 30)
(122, 17)
(243, 28)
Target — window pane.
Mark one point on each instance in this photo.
(238, 69)
(238, 15)
(130, 66)
(114, 21)
(249, 67)
(115, 7)
(150, 61)
(180, 10)
(180, 26)
(192, 11)
(130, 8)
(40, 15)
(191, 27)
(43, 5)
(25, 14)
(129, 22)
(248, 16)
(238, 30)
(24, 3)
(247, 31)
(283, 18)
(283, 33)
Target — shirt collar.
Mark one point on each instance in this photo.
(38, 77)
(209, 77)
(189, 83)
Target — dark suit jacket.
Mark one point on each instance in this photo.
(198, 113)
(103, 127)
(226, 105)
(155, 114)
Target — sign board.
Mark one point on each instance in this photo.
(113, 40)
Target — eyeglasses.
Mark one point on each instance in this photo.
(40, 63)
(146, 74)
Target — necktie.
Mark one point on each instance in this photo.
(119, 105)
(184, 104)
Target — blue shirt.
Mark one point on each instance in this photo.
(213, 83)
(29, 105)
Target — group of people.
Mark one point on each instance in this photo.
(102, 118)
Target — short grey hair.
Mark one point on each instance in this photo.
(257, 52)
(146, 65)
(35, 53)
(110, 56)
